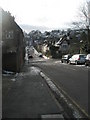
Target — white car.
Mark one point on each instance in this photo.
(78, 59)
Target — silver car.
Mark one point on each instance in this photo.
(77, 59)
(87, 62)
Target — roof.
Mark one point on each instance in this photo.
(8, 21)
(62, 39)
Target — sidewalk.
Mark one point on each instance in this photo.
(28, 96)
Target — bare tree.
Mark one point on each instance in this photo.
(84, 21)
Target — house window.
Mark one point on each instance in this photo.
(64, 46)
(9, 34)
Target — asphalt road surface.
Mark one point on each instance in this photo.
(73, 79)
(25, 96)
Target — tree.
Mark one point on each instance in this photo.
(84, 23)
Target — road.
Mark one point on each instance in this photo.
(71, 78)
(30, 96)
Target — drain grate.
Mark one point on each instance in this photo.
(54, 116)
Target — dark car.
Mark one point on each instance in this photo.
(65, 58)
(87, 62)
(30, 56)
(40, 55)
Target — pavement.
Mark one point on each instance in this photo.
(0, 96)
(27, 95)
(0, 78)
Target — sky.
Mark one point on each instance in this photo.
(45, 14)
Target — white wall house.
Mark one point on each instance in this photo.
(63, 45)
(45, 48)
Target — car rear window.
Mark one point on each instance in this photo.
(82, 56)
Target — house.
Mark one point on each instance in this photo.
(13, 49)
(63, 44)
(45, 48)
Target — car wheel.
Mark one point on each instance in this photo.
(62, 61)
(86, 64)
(76, 62)
(69, 62)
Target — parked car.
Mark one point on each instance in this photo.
(66, 58)
(40, 55)
(87, 62)
(78, 59)
(30, 56)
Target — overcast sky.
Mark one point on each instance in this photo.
(44, 13)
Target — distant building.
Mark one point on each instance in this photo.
(63, 44)
(45, 48)
(13, 51)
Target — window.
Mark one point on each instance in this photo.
(64, 46)
(9, 34)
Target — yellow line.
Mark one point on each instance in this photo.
(83, 111)
(72, 100)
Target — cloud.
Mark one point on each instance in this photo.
(49, 13)
(28, 28)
